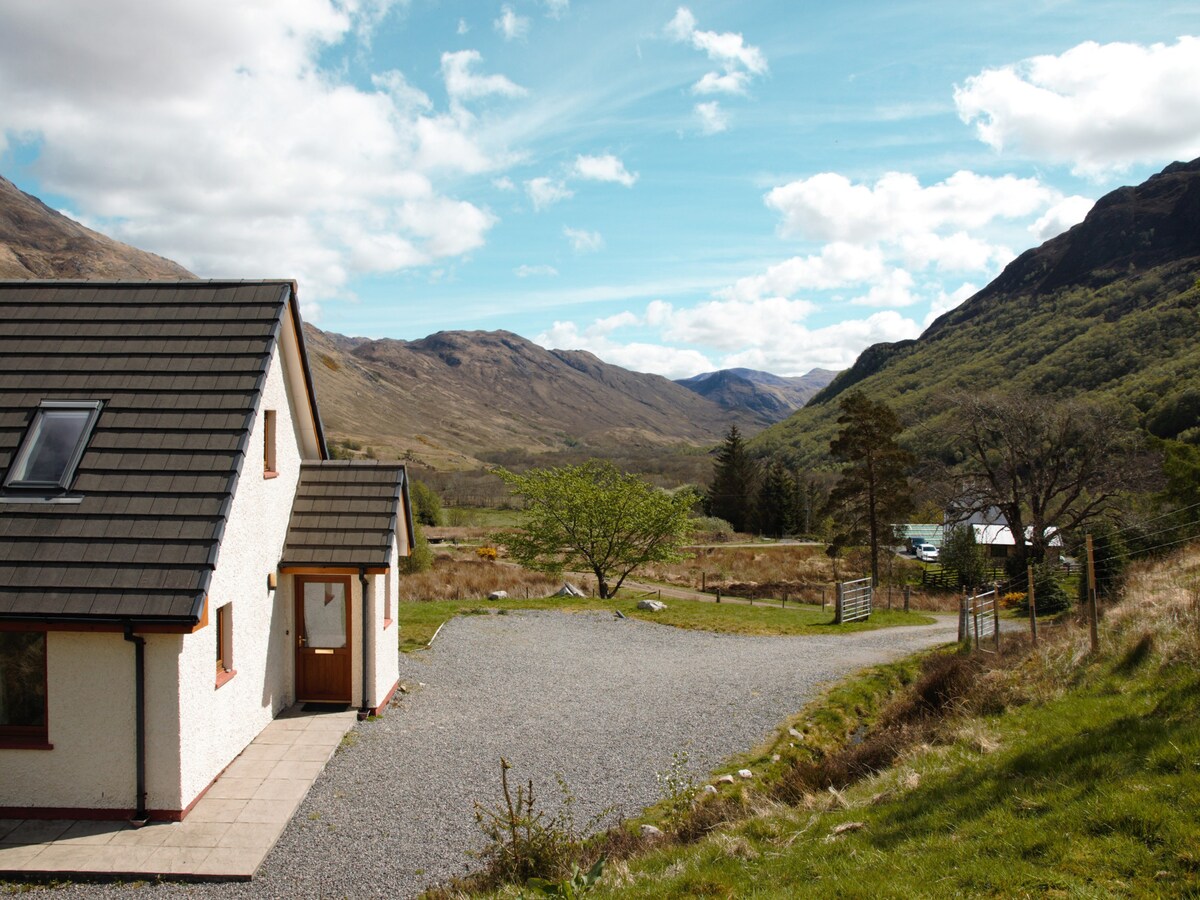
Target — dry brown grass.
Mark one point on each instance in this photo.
(456, 578)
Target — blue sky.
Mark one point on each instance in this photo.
(676, 187)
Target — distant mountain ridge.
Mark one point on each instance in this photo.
(772, 396)
(454, 395)
(1109, 310)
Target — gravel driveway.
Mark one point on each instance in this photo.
(604, 702)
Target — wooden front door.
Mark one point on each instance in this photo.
(323, 639)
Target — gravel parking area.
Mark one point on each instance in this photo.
(604, 702)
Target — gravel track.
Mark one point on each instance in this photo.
(604, 702)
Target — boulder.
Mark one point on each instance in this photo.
(652, 605)
(650, 831)
(725, 779)
(569, 590)
(745, 773)
(498, 595)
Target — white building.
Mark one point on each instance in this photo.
(179, 559)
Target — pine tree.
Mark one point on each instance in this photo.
(777, 501)
(872, 492)
(734, 484)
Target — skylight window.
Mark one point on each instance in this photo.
(53, 446)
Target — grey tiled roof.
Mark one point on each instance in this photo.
(179, 367)
(345, 514)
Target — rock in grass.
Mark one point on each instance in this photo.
(710, 789)
(498, 595)
(745, 773)
(725, 779)
(650, 831)
(652, 605)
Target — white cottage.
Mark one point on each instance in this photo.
(179, 559)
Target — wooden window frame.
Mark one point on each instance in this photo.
(32, 737)
(270, 461)
(224, 633)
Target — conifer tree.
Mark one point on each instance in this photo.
(777, 501)
(735, 483)
(872, 492)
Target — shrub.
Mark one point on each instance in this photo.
(421, 558)
(487, 553)
(1049, 596)
(1014, 600)
(710, 528)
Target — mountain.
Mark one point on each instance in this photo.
(449, 397)
(37, 242)
(773, 397)
(1109, 310)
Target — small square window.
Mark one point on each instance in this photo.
(53, 446)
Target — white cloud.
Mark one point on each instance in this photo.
(1097, 107)
(713, 119)
(463, 27)
(584, 241)
(192, 151)
(769, 334)
(463, 84)
(830, 207)
(1061, 216)
(546, 192)
(944, 302)
(510, 25)
(603, 168)
(892, 290)
(535, 271)
(503, 183)
(556, 9)
(838, 265)
(658, 359)
(727, 83)
(739, 62)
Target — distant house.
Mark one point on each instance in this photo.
(179, 559)
(992, 531)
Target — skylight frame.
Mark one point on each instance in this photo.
(20, 458)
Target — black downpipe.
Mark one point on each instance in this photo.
(364, 710)
(140, 816)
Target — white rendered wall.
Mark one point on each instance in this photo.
(218, 723)
(386, 671)
(90, 695)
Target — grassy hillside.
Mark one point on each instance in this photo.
(1049, 771)
(1107, 310)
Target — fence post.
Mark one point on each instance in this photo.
(822, 598)
(837, 605)
(718, 595)
(1093, 612)
(1032, 607)
(975, 619)
(996, 614)
(962, 618)
(703, 580)
(907, 591)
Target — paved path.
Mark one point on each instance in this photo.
(604, 703)
(226, 835)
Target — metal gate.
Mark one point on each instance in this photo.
(984, 619)
(853, 600)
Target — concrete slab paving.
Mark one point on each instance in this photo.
(226, 835)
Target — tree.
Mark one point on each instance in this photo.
(1045, 465)
(777, 502)
(593, 516)
(961, 553)
(735, 479)
(873, 490)
(427, 506)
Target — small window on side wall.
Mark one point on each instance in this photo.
(23, 688)
(269, 470)
(224, 629)
(53, 446)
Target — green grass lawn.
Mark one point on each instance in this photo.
(420, 620)
(1093, 794)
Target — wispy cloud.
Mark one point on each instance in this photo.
(584, 241)
(511, 26)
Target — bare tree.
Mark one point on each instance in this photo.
(1045, 465)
